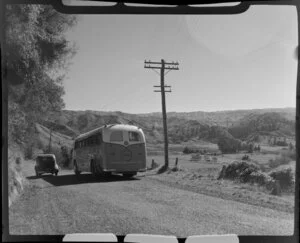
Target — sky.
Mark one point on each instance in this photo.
(226, 62)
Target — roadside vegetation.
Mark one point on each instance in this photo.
(241, 176)
(275, 181)
(36, 54)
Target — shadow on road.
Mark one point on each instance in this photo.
(71, 179)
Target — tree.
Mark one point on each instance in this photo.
(36, 54)
(250, 150)
(186, 150)
(258, 148)
(66, 156)
(229, 145)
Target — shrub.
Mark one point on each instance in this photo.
(282, 143)
(175, 168)
(273, 163)
(284, 158)
(282, 179)
(186, 150)
(246, 173)
(236, 168)
(39, 144)
(66, 156)
(28, 151)
(229, 145)
(196, 157)
(285, 178)
(261, 179)
(250, 148)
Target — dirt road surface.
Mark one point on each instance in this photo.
(66, 204)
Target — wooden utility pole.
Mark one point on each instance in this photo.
(163, 66)
(50, 141)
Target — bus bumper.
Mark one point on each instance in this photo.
(109, 170)
(120, 170)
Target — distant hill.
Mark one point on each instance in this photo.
(183, 126)
(226, 118)
(267, 124)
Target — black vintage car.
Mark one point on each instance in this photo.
(46, 163)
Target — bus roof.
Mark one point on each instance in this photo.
(123, 127)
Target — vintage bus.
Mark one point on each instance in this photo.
(116, 148)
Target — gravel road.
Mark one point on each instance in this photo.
(67, 204)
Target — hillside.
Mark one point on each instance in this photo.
(57, 139)
(225, 118)
(253, 126)
(245, 125)
(61, 144)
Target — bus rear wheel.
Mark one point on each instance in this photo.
(77, 172)
(92, 168)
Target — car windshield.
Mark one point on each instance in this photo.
(45, 161)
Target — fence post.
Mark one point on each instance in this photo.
(176, 162)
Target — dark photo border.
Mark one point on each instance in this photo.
(120, 8)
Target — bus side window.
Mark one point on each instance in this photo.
(92, 140)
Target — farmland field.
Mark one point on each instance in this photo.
(201, 175)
